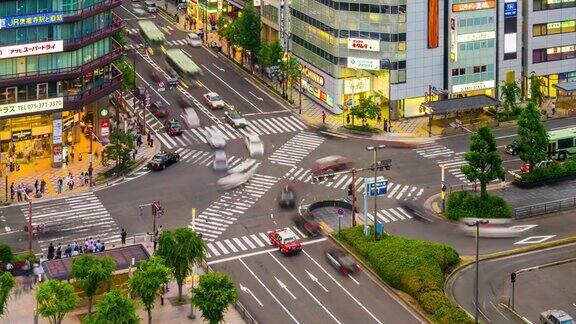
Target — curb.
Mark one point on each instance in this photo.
(408, 300)
(513, 312)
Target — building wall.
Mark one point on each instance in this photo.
(510, 67)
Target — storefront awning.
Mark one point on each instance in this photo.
(237, 3)
(569, 87)
(461, 104)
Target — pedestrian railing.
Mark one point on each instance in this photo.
(544, 208)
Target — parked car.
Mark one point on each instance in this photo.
(194, 40)
(512, 148)
(214, 138)
(213, 100)
(254, 145)
(527, 167)
(287, 197)
(220, 162)
(234, 118)
(158, 109)
(286, 241)
(191, 116)
(342, 261)
(173, 127)
(554, 316)
(326, 166)
(309, 225)
(163, 159)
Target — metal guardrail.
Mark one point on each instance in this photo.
(544, 208)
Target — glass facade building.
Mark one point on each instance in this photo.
(56, 72)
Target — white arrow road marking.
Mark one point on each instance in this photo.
(255, 96)
(316, 280)
(356, 281)
(283, 286)
(522, 228)
(247, 290)
(219, 68)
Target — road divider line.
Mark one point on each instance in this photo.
(268, 290)
(340, 285)
(305, 289)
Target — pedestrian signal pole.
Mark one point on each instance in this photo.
(443, 189)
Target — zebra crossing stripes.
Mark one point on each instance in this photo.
(390, 215)
(244, 243)
(296, 149)
(131, 31)
(453, 166)
(215, 219)
(73, 219)
(432, 150)
(203, 157)
(442, 155)
(341, 181)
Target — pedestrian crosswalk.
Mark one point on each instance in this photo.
(264, 126)
(442, 155)
(216, 218)
(73, 219)
(204, 158)
(177, 42)
(296, 149)
(341, 181)
(390, 215)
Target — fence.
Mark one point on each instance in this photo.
(544, 208)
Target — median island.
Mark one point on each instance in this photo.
(415, 267)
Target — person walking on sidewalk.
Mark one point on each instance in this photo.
(51, 251)
(323, 117)
(37, 187)
(123, 236)
(19, 192)
(42, 186)
(134, 152)
(12, 191)
(60, 183)
(72, 154)
(59, 251)
(86, 177)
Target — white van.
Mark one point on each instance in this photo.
(150, 6)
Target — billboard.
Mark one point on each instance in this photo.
(433, 25)
(27, 107)
(363, 63)
(363, 44)
(31, 49)
(37, 19)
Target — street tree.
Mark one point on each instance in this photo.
(291, 69)
(510, 95)
(91, 273)
(484, 162)
(6, 285)
(119, 150)
(55, 299)
(276, 52)
(115, 307)
(536, 95)
(365, 109)
(213, 295)
(128, 72)
(148, 280)
(181, 249)
(249, 27)
(264, 56)
(532, 137)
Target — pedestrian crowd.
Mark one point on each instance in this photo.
(90, 246)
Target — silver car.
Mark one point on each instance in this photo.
(194, 40)
(215, 138)
(254, 145)
(220, 162)
(192, 119)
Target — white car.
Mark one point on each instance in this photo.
(254, 145)
(191, 117)
(213, 100)
(220, 162)
(234, 118)
(243, 167)
(237, 179)
(194, 40)
(215, 138)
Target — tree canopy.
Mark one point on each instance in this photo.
(148, 280)
(55, 299)
(510, 95)
(214, 294)
(536, 95)
(249, 26)
(119, 150)
(181, 249)
(532, 137)
(91, 273)
(365, 109)
(115, 307)
(6, 284)
(484, 162)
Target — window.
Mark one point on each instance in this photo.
(42, 91)
(565, 143)
(10, 95)
(462, 71)
(454, 72)
(558, 27)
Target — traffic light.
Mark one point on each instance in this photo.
(513, 277)
(350, 189)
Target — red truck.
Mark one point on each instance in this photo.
(286, 241)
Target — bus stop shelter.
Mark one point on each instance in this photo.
(566, 95)
(122, 256)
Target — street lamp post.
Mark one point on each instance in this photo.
(375, 149)
(477, 224)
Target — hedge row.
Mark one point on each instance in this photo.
(466, 204)
(413, 266)
(551, 172)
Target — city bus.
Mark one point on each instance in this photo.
(561, 143)
(182, 67)
(152, 35)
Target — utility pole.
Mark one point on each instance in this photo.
(513, 280)
(443, 188)
(353, 187)
(375, 166)
(90, 166)
(477, 224)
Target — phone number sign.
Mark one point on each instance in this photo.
(28, 107)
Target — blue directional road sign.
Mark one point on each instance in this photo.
(378, 188)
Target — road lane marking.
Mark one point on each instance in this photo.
(283, 286)
(255, 96)
(268, 290)
(219, 68)
(535, 239)
(352, 278)
(248, 291)
(305, 289)
(314, 279)
(231, 88)
(346, 291)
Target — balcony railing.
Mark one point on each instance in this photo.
(76, 43)
(61, 74)
(75, 15)
(81, 99)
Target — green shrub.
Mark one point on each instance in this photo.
(466, 204)
(550, 172)
(413, 266)
(6, 255)
(20, 257)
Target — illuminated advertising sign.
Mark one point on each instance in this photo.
(510, 8)
(311, 75)
(473, 86)
(510, 29)
(470, 6)
(39, 19)
(433, 29)
(31, 49)
(356, 85)
(27, 107)
(57, 131)
(462, 38)
(363, 63)
(453, 40)
(363, 44)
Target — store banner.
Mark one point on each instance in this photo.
(363, 44)
(57, 131)
(31, 49)
(105, 127)
(36, 19)
(356, 85)
(28, 107)
(363, 63)
(453, 40)
(433, 24)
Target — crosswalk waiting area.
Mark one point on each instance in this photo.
(442, 155)
(215, 219)
(296, 149)
(341, 181)
(73, 219)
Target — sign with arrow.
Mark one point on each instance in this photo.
(313, 278)
(283, 286)
(248, 291)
